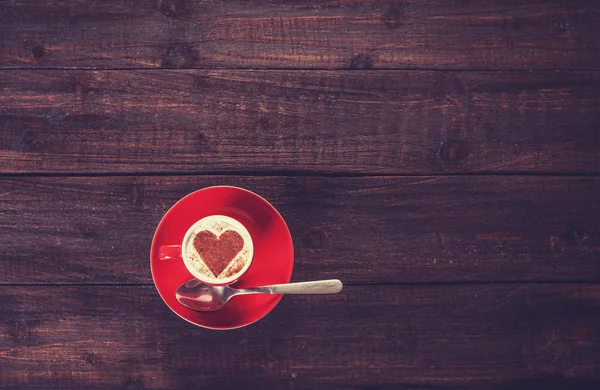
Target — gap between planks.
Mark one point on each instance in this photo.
(582, 282)
(292, 174)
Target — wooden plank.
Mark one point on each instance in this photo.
(426, 337)
(385, 122)
(333, 34)
(361, 230)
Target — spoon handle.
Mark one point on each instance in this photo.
(331, 286)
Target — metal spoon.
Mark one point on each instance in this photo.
(196, 295)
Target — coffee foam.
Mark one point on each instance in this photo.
(217, 224)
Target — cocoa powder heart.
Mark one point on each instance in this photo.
(218, 252)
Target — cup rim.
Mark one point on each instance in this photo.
(227, 281)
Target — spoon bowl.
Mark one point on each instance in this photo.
(196, 295)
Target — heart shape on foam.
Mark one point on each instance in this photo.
(218, 252)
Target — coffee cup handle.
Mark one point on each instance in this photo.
(169, 252)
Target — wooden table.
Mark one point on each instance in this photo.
(441, 158)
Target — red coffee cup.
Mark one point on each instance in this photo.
(216, 250)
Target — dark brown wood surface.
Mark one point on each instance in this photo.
(384, 122)
(508, 336)
(333, 34)
(361, 230)
(441, 158)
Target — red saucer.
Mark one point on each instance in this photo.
(272, 262)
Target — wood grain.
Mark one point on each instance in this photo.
(360, 230)
(383, 122)
(346, 34)
(384, 337)
(453, 279)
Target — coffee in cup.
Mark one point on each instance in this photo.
(217, 249)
